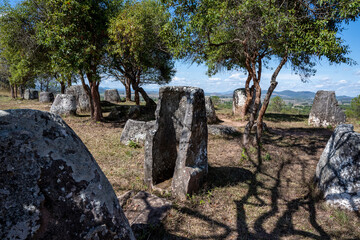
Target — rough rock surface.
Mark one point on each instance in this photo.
(325, 110)
(50, 185)
(222, 130)
(82, 100)
(144, 211)
(31, 94)
(210, 111)
(177, 146)
(112, 95)
(46, 97)
(64, 104)
(136, 131)
(239, 99)
(338, 170)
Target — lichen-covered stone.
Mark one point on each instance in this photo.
(82, 99)
(136, 131)
(31, 94)
(325, 110)
(221, 130)
(46, 97)
(112, 95)
(177, 145)
(210, 111)
(338, 170)
(64, 104)
(50, 185)
(239, 100)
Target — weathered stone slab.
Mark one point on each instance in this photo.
(64, 104)
(222, 130)
(31, 94)
(82, 99)
(239, 100)
(50, 185)
(136, 131)
(144, 211)
(46, 97)
(210, 111)
(325, 110)
(338, 170)
(177, 146)
(112, 95)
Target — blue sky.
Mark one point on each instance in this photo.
(343, 79)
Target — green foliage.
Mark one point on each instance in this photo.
(244, 156)
(133, 144)
(354, 110)
(138, 48)
(215, 100)
(267, 157)
(277, 104)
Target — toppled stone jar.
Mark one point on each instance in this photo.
(338, 170)
(50, 185)
(177, 146)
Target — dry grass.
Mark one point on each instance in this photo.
(261, 192)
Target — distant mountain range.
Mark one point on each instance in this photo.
(286, 95)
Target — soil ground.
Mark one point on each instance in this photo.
(262, 192)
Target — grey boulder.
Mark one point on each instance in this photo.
(46, 97)
(50, 185)
(222, 130)
(325, 110)
(210, 111)
(82, 99)
(338, 170)
(31, 94)
(112, 95)
(136, 131)
(64, 104)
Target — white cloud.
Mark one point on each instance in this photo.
(319, 86)
(214, 79)
(342, 81)
(357, 73)
(178, 79)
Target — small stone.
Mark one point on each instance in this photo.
(31, 94)
(46, 97)
(112, 95)
(64, 104)
(136, 131)
(82, 99)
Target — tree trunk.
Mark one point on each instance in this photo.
(62, 87)
(69, 83)
(12, 91)
(88, 93)
(149, 102)
(128, 90)
(94, 87)
(273, 84)
(137, 97)
(22, 91)
(251, 122)
(16, 90)
(249, 95)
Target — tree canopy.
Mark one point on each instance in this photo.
(138, 51)
(232, 34)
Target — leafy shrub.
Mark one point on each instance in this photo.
(354, 110)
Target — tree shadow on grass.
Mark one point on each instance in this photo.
(280, 117)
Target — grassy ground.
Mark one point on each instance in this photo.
(261, 192)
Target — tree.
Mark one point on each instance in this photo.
(233, 34)
(277, 104)
(138, 49)
(354, 109)
(24, 57)
(76, 33)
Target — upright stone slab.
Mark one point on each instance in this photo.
(50, 185)
(210, 111)
(177, 146)
(239, 100)
(46, 97)
(112, 95)
(338, 170)
(31, 94)
(64, 104)
(82, 99)
(325, 110)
